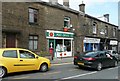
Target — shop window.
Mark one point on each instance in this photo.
(67, 44)
(59, 45)
(63, 48)
(33, 16)
(67, 22)
(94, 28)
(33, 42)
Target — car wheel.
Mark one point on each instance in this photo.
(115, 63)
(43, 68)
(2, 72)
(99, 66)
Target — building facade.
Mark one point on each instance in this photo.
(119, 26)
(39, 26)
(52, 27)
(118, 41)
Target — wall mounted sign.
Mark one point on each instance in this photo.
(113, 42)
(58, 34)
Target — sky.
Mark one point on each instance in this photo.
(97, 8)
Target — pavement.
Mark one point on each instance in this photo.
(62, 60)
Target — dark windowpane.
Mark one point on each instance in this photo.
(26, 54)
(11, 53)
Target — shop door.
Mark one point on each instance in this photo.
(10, 40)
(52, 45)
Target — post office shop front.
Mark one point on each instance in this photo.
(60, 42)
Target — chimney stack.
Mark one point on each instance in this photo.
(106, 16)
(82, 7)
(53, 1)
(66, 3)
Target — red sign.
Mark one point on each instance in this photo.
(51, 34)
(64, 53)
(60, 54)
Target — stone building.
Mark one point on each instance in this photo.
(52, 27)
(96, 34)
(39, 26)
(118, 41)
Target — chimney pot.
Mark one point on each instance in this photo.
(53, 1)
(82, 7)
(106, 16)
(66, 3)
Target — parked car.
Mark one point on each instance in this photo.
(96, 60)
(18, 60)
(114, 53)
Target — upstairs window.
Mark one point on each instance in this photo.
(33, 42)
(67, 22)
(106, 30)
(114, 32)
(94, 28)
(33, 15)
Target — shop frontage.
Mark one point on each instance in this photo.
(60, 43)
(91, 44)
(113, 45)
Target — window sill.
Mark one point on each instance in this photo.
(33, 23)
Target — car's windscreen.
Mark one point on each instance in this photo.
(91, 54)
(109, 51)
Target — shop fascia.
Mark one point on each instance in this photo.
(91, 40)
(113, 42)
(59, 34)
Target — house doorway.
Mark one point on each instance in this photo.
(10, 40)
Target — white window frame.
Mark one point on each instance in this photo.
(94, 28)
(106, 30)
(33, 42)
(67, 19)
(32, 14)
(114, 32)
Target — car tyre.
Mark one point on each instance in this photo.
(43, 67)
(3, 72)
(99, 66)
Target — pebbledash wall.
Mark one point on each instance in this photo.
(49, 32)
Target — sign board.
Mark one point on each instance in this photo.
(58, 34)
(113, 42)
(91, 40)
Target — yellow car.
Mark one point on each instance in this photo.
(18, 59)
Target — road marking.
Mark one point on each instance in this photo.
(79, 75)
(113, 68)
(72, 69)
(21, 77)
(61, 64)
(116, 77)
(52, 73)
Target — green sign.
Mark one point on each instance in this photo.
(63, 35)
(59, 35)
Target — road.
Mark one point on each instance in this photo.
(68, 71)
